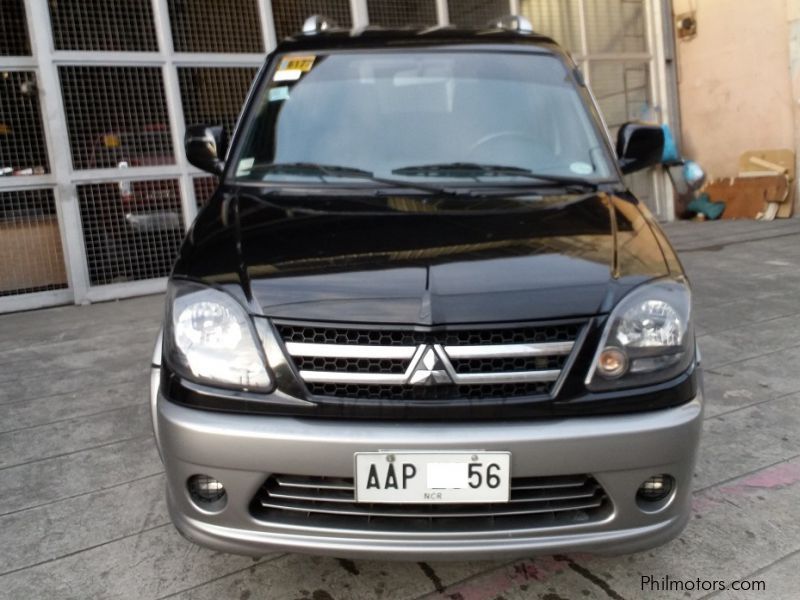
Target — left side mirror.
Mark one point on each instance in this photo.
(639, 146)
(206, 146)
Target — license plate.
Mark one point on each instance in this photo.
(432, 477)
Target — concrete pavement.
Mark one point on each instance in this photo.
(82, 512)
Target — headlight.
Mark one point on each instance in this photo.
(210, 339)
(648, 338)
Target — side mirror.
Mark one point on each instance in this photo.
(205, 145)
(639, 146)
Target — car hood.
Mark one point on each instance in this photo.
(426, 261)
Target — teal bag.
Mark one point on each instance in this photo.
(703, 205)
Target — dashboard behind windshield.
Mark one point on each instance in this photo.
(385, 111)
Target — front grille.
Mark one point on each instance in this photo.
(510, 364)
(530, 334)
(415, 364)
(442, 392)
(534, 502)
(351, 365)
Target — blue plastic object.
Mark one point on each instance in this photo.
(670, 149)
(694, 174)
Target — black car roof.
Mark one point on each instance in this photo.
(379, 37)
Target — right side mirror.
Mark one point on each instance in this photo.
(205, 146)
(639, 146)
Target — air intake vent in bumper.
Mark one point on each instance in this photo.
(327, 502)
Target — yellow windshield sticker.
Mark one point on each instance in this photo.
(297, 63)
(292, 68)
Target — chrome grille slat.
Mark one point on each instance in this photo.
(314, 482)
(509, 350)
(350, 351)
(507, 377)
(359, 362)
(587, 493)
(540, 486)
(310, 497)
(406, 513)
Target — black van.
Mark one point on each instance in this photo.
(423, 317)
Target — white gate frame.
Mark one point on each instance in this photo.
(54, 129)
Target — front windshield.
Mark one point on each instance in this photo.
(420, 116)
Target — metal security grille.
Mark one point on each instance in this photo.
(14, 29)
(214, 26)
(622, 90)
(31, 257)
(116, 115)
(559, 19)
(616, 26)
(623, 93)
(132, 229)
(390, 13)
(290, 14)
(476, 13)
(204, 188)
(22, 145)
(609, 40)
(214, 94)
(104, 25)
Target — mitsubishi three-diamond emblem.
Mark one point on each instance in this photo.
(430, 369)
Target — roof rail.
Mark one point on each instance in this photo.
(317, 24)
(516, 23)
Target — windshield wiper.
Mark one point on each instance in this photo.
(309, 168)
(475, 170)
(322, 171)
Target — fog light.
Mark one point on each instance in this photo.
(205, 490)
(656, 488)
(612, 363)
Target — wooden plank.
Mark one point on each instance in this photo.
(747, 197)
(769, 165)
(32, 256)
(755, 160)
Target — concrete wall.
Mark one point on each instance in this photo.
(735, 84)
(793, 17)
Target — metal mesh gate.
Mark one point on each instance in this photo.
(95, 189)
(389, 13)
(32, 267)
(613, 43)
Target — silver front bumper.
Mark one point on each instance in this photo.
(243, 450)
